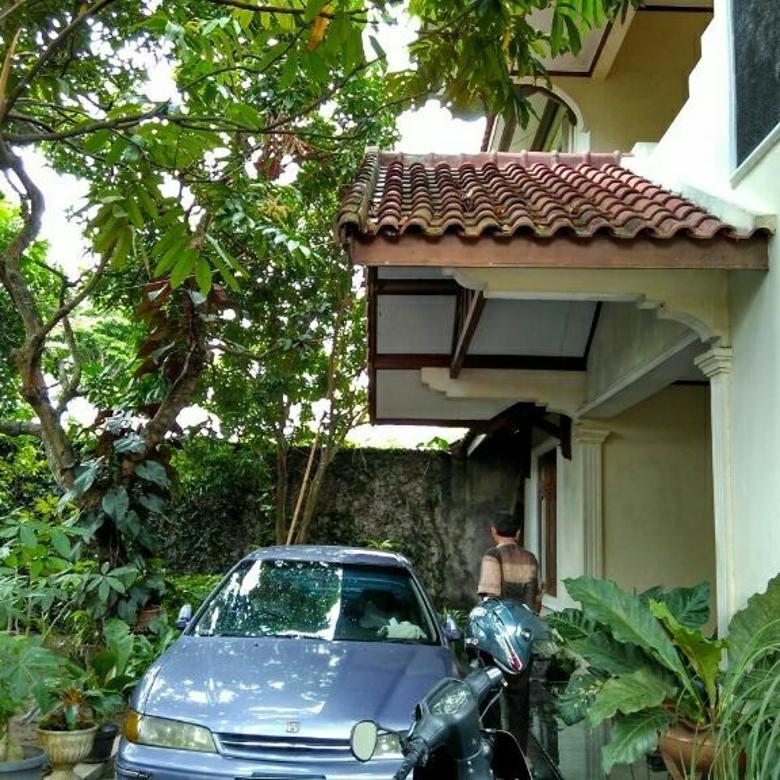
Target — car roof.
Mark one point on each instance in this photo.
(331, 554)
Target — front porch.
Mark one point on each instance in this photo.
(584, 311)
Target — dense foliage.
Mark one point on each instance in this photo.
(650, 665)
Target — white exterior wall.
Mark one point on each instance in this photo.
(698, 150)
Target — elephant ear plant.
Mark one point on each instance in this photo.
(26, 672)
(648, 666)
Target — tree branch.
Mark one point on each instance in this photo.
(50, 51)
(68, 306)
(120, 123)
(18, 428)
(70, 386)
(275, 9)
(27, 357)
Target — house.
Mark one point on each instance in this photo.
(619, 312)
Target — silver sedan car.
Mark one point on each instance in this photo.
(295, 646)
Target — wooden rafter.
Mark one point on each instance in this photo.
(468, 311)
(417, 287)
(393, 361)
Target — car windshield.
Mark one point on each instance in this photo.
(318, 600)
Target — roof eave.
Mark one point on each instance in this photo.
(562, 251)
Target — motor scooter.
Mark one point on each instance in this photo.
(447, 740)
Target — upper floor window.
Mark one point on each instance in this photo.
(756, 30)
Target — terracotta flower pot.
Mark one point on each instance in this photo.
(146, 616)
(66, 749)
(684, 749)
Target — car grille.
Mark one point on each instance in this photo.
(283, 748)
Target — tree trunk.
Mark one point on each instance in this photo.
(281, 472)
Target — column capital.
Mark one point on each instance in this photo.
(715, 361)
(587, 434)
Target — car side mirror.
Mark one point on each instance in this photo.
(450, 628)
(363, 740)
(185, 615)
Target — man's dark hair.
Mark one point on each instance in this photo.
(504, 523)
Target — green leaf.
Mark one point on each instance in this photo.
(755, 626)
(602, 652)
(61, 543)
(579, 694)
(183, 267)
(627, 616)
(313, 8)
(115, 504)
(634, 736)
(153, 471)
(570, 623)
(203, 275)
(629, 693)
(27, 537)
(704, 654)
(152, 502)
(689, 606)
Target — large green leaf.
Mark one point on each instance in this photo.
(628, 617)
(153, 471)
(633, 736)
(579, 694)
(115, 504)
(689, 606)
(704, 654)
(570, 623)
(629, 693)
(757, 625)
(601, 651)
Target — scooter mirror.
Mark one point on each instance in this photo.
(363, 740)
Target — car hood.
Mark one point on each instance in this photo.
(258, 686)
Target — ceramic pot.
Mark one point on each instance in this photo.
(684, 749)
(29, 768)
(104, 744)
(66, 749)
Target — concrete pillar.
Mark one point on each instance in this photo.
(590, 442)
(716, 364)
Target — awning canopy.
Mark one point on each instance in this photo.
(416, 221)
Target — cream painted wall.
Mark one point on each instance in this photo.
(697, 151)
(658, 522)
(648, 82)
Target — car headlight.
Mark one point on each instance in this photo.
(388, 745)
(161, 732)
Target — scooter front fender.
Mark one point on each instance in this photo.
(508, 761)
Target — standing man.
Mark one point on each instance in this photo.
(512, 572)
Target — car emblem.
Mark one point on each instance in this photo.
(293, 726)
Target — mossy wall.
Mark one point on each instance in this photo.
(428, 505)
(425, 504)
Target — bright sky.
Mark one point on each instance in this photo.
(432, 128)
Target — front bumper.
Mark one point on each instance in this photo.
(140, 762)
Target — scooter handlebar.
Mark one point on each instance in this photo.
(415, 754)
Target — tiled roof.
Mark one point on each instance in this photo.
(540, 194)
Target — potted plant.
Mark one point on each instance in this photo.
(67, 731)
(108, 677)
(652, 672)
(25, 670)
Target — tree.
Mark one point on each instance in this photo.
(171, 178)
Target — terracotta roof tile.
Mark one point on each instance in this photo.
(504, 194)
